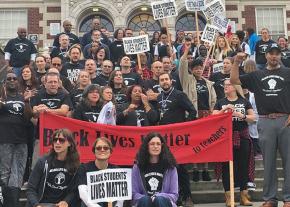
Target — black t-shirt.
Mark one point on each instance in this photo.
(85, 113)
(20, 50)
(76, 96)
(153, 85)
(271, 89)
(101, 80)
(132, 79)
(241, 105)
(12, 121)
(120, 95)
(57, 181)
(261, 48)
(39, 75)
(202, 95)
(154, 178)
(61, 53)
(72, 70)
(73, 39)
(218, 79)
(176, 80)
(285, 57)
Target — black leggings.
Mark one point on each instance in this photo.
(241, 164)
(183, 182)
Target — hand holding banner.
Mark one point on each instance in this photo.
(109, 185)
(195, 5)
(136, 45)
(164, 9)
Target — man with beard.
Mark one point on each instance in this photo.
(73, 39)
(103, 78)
(130, 78)
(20, 51)
(271, 89)
(168, 68)
(15, 114)
(173, 105)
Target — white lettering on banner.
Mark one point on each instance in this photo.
(221, 22)
(209, 33)
(109, 185)
(164, 9)
(195, 5)
(217, 67)
(135, 45)
(214, 8)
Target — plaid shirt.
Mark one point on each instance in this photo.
(145, 73)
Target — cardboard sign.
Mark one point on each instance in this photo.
(195, 5)
(164, 9)
(54, 28)
(214, 8)
(209, 33)
(135, 45)
(221, 22)
(109, 185)
(218, 67)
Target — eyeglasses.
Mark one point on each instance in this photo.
(11, 78)
(60, 140)
(104, 148)
(56, 64)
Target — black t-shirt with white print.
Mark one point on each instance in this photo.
(271, 89)
(76, 96)
(120, 95)
(241, 105)
(20, 50)
(57, 181)
(218, 79)
(85, 113)
(202, 95)
(261, 48)
(132, 79)
(154, 178)
(72, 70)
(12, 122)
(285, 57)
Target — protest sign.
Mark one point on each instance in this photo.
(209, 33)
(109, 185)
(204, 140)
(218, 67)
(136, 45)
(214, 8)
(221, 22)
(195, 5)
(54, 28)
(164, 9)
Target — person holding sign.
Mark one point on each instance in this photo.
(53, 179)
(243, 114)
(154, 176)
(102, 148)
(223, 49)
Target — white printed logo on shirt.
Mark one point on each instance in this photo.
(153, 182)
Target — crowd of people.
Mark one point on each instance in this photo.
(176, 82)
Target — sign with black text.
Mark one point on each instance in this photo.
(218, 67)
(221, 22)
(214, 8)
(195, 5)
(135, 45)
(164, 9)
(209, 33)
(109, 185)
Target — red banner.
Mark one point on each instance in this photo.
(204, 140)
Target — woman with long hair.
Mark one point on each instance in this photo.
(102, 149)
(153, 42)
(100, 56)
(223, 49)
(90, 105)
(154, 176)
(243, 114)
(107, 95)
(53, 179)
(138, 111)
(117, 47)
(27, 81)
(235, 44)
(116, 82)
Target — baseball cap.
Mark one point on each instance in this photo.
(273, 46)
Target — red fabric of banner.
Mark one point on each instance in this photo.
(204, 140)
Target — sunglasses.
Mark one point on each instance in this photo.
(60, 140)
(104, 148)
(11, 78)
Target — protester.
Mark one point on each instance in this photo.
(117, 47)
(154, 176)
(19, 51)
(27, 81)
(100, 57)
(252, 41)
(116, 82)
(285, 52)
(242, 115)
(15, 114)
(56, 62)
(223, 49)
(103, 78)
(144, 71)
(138, 111)
(163, 48)
(61, 51)
(40, 67)
(153, 42)
(53, 179)
(270, 90)
(102, 149)
(130, 78)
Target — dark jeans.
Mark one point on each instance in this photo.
(183, 182)
(159, 201)
(241, 163)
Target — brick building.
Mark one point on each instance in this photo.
(39, 15)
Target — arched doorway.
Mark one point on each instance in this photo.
(144, 20)
(186, 22)
(85, 25)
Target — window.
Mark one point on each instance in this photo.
(105, 22)
(141, 21)
(272, 18)
(187, 23)
(10, 20)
